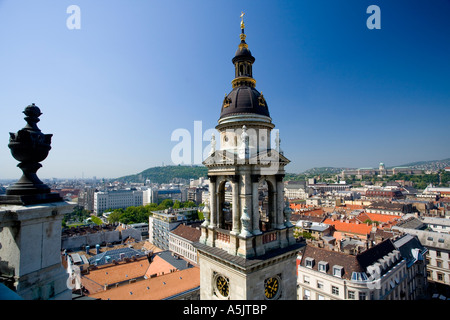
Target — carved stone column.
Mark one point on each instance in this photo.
(212, 201)
(255, 204)
(209, 233)
(280, 201)
(235, 207)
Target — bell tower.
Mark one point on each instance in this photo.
(247, 249)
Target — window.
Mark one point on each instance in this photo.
(351, 295)
(309, 262)
(338, 271)
(319, 284)
(362, 296)
(359, 276)
(323, 266)
(307, 295)
(335, 290)
(306, 279)
(438, 254)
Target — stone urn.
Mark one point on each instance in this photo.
(30, 146)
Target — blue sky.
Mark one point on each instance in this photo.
(113, 92)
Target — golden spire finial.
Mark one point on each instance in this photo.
(242, 20)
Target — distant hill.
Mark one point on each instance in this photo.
(166, 174)
(323, 170)
(423, 165)
(428, 165)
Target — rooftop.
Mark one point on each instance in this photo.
(189, 233)
(115, 255)
(347, 226)
(157, 288)
(96, 279)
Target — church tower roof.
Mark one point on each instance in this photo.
(244, 98)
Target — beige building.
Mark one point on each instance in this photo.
(182, 239)
(379, 273)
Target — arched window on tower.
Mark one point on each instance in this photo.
(225, 205)
(266, 205)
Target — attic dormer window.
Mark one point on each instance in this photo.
(359, 276)
(309, 262)
(338, 271)
(323, 266)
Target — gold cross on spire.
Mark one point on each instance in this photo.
(242, 19)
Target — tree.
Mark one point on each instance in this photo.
(165, 204)
(115, 216)
(177, 204)
(96, 220)
(189, 204)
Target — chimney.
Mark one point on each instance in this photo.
(97, 248)
(87, 249)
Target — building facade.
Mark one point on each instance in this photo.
(438, 257)
(116, 199)
(182, 239)
(378, 273)
(160, 223)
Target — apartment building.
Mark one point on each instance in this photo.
(182, 239)
(378, 273)
(160, 223)
(390, 208)
(105, 200)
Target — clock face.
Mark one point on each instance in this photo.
(222, 286)
(271, 287)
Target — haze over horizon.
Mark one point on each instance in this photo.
(113, 92)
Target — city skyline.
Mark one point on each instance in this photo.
(113, 92)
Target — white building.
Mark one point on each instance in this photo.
(148, 196)
(160, 223)
(378, 273)
(117, 199)
(294, 192)
(182, 239)
(438, 258)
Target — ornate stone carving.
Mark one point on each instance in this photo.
(287, 211)
(30, 146)
(245, 222)
(206, 213)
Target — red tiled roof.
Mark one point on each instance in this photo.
(113, 273)
(158, 267)
(377, 217)
(350, 227)
(188, 233)
(157, 288)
